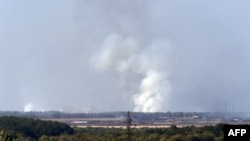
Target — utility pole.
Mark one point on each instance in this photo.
(129, 132)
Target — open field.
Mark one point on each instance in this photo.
(139, 119)
(140, 126)
(120, 122)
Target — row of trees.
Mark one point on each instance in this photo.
(207, 133)
(136, 115)
(23, 129)
(33, 128)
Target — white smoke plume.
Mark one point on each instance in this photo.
(163, 55)
(29, 107)
(154, 89)
(125, 55)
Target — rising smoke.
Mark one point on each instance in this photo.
(151, 63)
(116, 55)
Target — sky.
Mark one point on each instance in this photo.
(120, 55)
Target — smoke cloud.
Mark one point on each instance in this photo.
(152, 97)
(141, 55)
(125, 55)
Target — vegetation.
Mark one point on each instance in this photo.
(23, 129)
(33, 128)
(207, 133)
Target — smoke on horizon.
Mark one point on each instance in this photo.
(152, 64)
(141, 55)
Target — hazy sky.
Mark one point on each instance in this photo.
(114, 55)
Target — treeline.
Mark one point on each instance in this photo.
(24, 129)
(137, 115)
(206, 133)
(32, 128)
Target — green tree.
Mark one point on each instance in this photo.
(177, 137)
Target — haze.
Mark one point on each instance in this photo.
(140, 55)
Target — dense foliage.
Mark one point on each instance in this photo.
(23, 129)
(33, 128)
(191, 133)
